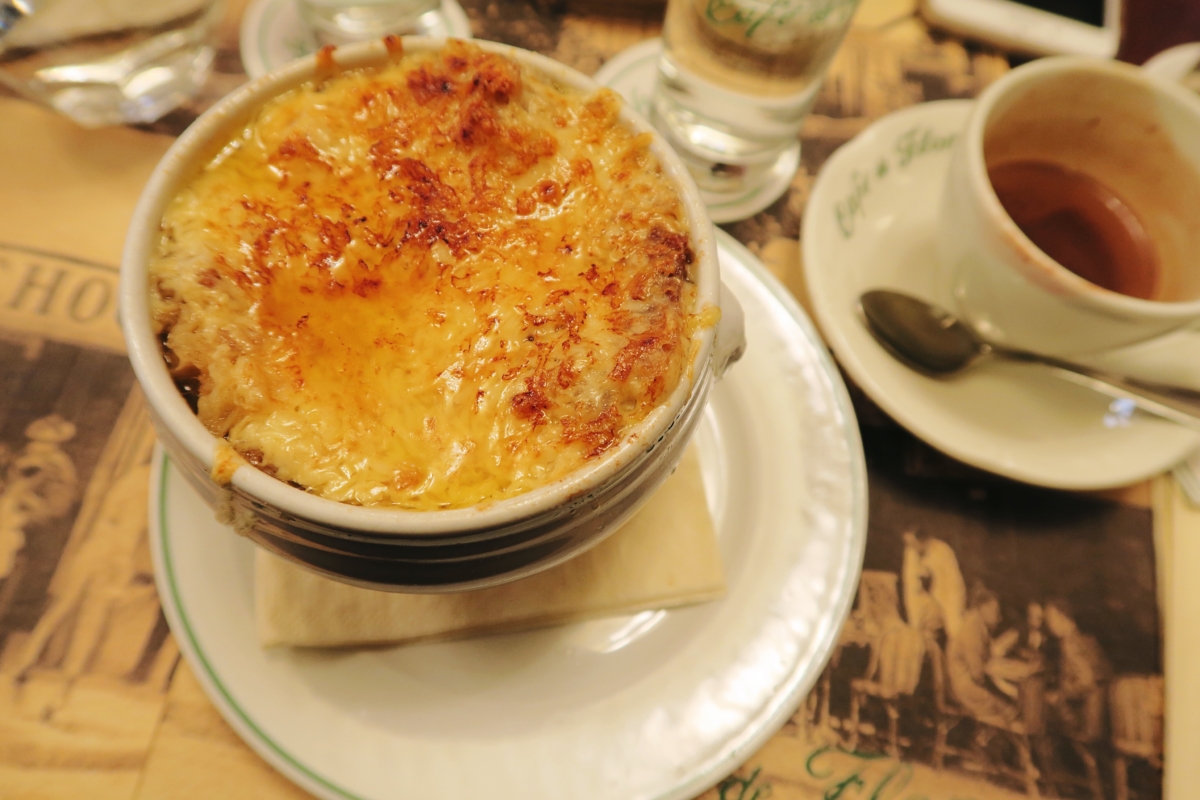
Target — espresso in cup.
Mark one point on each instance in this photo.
(1071, 218)
(1081, 223)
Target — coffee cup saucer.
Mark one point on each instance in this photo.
(871, 222)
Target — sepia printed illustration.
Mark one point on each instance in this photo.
(1004, 643)
(85, 655)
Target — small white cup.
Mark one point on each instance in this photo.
(1136, 134)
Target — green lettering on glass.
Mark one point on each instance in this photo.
(779, 12)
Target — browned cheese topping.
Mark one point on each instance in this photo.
(428, 284)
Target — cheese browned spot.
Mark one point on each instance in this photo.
(428, 284)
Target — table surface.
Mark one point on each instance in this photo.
(161, 739)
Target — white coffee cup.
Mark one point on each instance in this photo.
(1136, 134)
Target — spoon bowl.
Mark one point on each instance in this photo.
(922, 335)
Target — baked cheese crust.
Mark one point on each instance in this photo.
(426, 285)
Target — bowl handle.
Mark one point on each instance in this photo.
(731, 333)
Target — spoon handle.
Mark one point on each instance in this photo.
(1176, 403)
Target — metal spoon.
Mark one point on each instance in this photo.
(933, 341)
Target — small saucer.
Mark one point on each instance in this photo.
(273, 32)
(633, 74)
(871, 223)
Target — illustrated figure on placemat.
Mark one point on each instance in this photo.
(934, 592)
(1077, 700)
(39, 485)
(967, 658)
(1075, 704)
(1032, 643)
(897, 653)
(93, 577)
(1031, 649)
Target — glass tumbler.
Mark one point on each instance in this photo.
(736, 79)
(107, 63)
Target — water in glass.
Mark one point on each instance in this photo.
(109, 63)
(737, 78)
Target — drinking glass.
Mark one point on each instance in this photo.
(736, 79)
(107, 63)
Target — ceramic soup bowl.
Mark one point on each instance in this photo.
(415, 551)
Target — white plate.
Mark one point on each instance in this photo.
(658, 705)
(273, 32)
(870, 223)
(633, 74)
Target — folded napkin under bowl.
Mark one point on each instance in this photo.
(667, 555)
